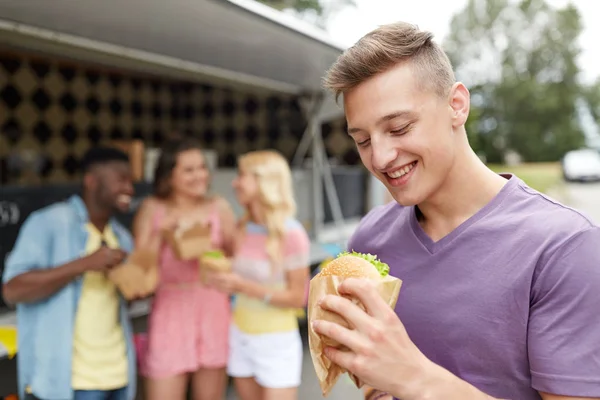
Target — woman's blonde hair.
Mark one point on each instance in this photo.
(276, 194)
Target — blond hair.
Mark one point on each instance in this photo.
(385, 47)
(276, 195)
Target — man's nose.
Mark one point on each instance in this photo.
(130, 188)
(383, 153)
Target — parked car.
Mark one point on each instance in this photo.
(581, 165)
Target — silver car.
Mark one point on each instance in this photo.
(581, 165)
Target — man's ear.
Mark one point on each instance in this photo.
(89, 181)
(459, 101)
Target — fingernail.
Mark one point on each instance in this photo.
(315, 324)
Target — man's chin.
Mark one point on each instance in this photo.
(404, 199)
(121, 208)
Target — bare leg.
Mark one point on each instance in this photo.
(209, 384)
(280, 394)
(248, 389)
(172, 388)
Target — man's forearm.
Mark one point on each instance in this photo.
(374, 394)
(441, 384)
(38, 285)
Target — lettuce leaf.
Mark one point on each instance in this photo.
(382, 267)
(214, 254)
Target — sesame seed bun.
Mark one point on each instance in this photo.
(349, 266)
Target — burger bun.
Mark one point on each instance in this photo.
(350, 266)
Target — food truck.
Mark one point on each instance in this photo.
(236, 74)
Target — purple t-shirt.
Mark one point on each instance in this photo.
(509, 301)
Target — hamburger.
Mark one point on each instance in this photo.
(355, 265)
(351, 265)
(326, 282)
(213, 261)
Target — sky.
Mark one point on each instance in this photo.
(352, 23)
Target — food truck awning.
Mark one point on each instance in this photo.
(237, 43)
(233, 42)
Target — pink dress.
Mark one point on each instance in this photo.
(188, 326)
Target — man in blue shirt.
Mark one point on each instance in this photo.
(74, 333)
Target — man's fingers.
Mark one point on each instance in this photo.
(348, 310)
(343, 358)
(365, 291)
(344, 336)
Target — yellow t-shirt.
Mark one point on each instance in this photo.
(99, 348)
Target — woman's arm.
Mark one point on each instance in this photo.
(228, 225)
(293, 296)
(144, 234)
(296, 253)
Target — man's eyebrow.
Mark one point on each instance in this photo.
(397, 114)
(385, 118)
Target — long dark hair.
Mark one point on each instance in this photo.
(166, 163)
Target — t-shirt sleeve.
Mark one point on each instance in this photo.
(296, 251)
(564, 320)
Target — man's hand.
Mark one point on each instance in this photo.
(39, 284)
(380, 352)
(374, 394)
(103, 259)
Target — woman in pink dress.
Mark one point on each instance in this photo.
(189, 322)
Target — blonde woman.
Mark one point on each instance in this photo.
(270, 273)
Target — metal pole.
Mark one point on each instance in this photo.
(321, 169)
(330, 190)
(310, 107)
(318, 214)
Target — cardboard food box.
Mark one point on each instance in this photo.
(135, 149)
(137, 277)
(189, 241)
(213, 261)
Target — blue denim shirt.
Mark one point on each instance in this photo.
(50, 237)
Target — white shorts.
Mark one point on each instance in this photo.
(274, 360)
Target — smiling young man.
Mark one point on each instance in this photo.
(501, 284)
(74, 333)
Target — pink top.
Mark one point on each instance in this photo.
(189, 322)
(174, 271)
(254, 316)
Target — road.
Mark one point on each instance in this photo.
(584, 197)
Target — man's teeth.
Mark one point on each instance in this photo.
(124, 198)
(402, 171)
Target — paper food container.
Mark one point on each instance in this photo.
(189, 241)
(137, 277)
(327, 372)
(213, 261)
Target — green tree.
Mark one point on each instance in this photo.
(298, 5)
(592, 96)
(519, 59)
(316, 11)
